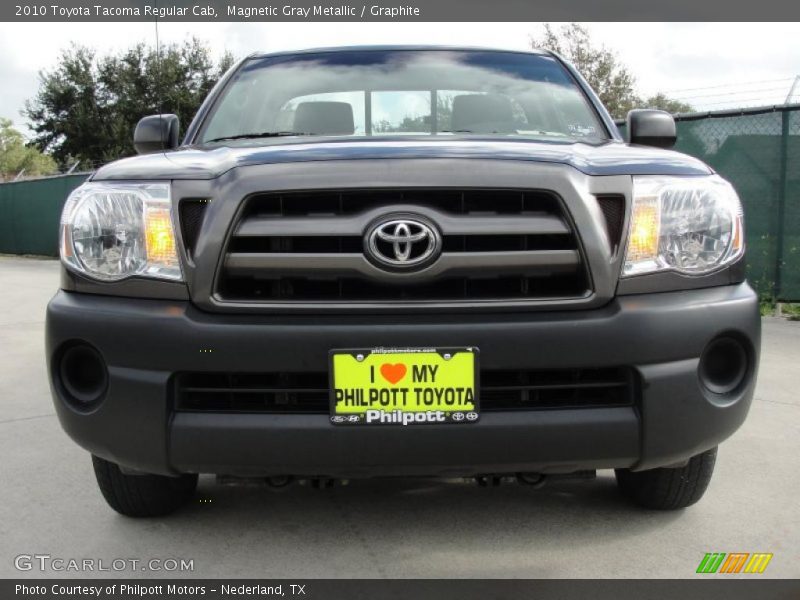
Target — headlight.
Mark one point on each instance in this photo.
(111, 231)
(691, 225)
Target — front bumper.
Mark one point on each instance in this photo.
(662, 336)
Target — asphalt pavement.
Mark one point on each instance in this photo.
(384, 528)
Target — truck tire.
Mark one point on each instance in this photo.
(142, 495)
(669, 488)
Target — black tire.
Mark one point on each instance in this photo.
(142, 495)
(669, 489)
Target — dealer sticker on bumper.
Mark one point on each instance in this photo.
(404, 386)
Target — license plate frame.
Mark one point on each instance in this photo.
(421, 360)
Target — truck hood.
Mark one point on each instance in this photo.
(608, 158)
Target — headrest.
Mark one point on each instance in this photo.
(482, 113)
(324, 118)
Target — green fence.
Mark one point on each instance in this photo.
(757, 150)
(30, 212)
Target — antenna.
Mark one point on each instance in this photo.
(159, 97)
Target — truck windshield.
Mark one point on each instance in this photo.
(356, 93)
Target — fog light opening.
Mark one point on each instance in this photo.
(83, 374)
(723, 365)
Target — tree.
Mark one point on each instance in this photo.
(15, 156)
(662, 102)
(420, 123)
(87, 107)
(602, 69)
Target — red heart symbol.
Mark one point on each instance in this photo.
(393, 373)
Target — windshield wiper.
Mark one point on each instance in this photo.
(475, 132)
(253, 136)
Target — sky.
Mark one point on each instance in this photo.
(714, 66)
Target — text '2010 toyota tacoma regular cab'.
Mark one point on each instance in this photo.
(402, 261)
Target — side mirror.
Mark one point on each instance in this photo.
(156, 133)
(649, 127)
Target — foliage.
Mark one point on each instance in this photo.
(791, 311)
(663, 102)
(420, 123)
(16, 156)
(603, 70)
(770, 308)
(87, 107)
(766, 305)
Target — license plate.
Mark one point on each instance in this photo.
(404, 386)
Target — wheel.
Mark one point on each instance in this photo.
(142, 495)
(669, 489)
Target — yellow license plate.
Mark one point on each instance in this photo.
(404, 386)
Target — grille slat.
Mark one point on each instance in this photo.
(308, 392)
(309, 247)
(348, 202)
(559, 386)
(538, 261)
(540, 224)
(487, 287)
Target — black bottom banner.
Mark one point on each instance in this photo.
(405, 589)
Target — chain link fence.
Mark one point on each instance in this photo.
(758, 151)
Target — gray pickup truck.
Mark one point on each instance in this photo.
(419, 261)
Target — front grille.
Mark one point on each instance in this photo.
(252, 392)
(556, 388)
(309, 247)
(507, 390)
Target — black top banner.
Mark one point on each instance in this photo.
(399, 10)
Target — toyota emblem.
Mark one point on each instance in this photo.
(403, 242)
